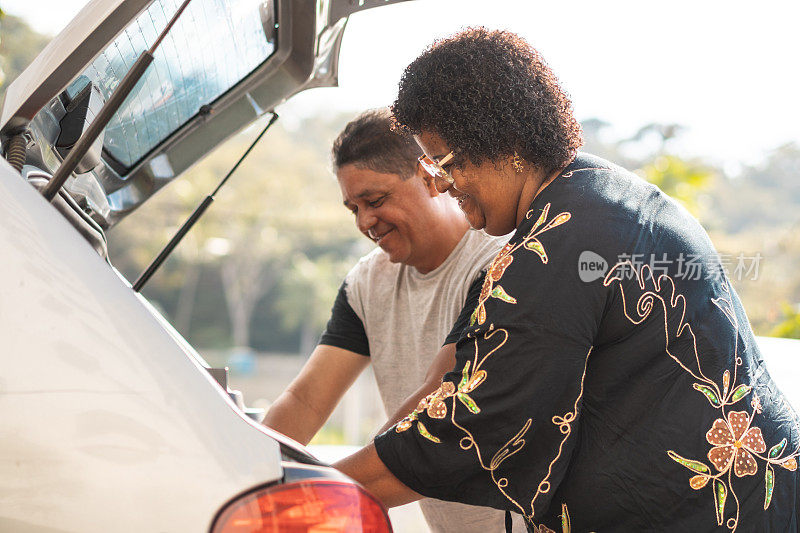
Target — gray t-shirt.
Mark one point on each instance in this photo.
(400, 318)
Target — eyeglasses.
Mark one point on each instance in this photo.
(435, 168)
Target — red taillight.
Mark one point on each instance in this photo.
(314, 506)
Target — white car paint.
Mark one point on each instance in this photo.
(782, 357)
(108, 424)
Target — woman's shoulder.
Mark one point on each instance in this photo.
(589, 178)
(611, 210)
(609, 196)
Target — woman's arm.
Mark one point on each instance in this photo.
(366, 467)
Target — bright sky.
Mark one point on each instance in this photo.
(726, 70)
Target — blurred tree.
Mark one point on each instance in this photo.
(597, 141)
(253, 267)
(662, 132)
(790, 326)
(682, 179)
(778, 172)
(19, 46)
(739, 203)
(308, 293)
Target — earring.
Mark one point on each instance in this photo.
(517, 163)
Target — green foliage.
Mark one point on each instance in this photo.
(277, 236)
(790, 325)
(19, 46)
(682, 179)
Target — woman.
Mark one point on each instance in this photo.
(602, 385)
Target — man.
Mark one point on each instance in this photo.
(397, 306)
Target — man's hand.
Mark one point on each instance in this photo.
(308, 401)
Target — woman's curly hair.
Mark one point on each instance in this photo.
(489, 94)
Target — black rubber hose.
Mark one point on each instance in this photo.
(16, 151)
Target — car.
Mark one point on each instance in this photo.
(111, 420)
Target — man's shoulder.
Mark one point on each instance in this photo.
(481, 248)
(481, 240)
(375, 261)
(373, 268)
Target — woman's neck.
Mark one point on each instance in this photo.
(535, 182)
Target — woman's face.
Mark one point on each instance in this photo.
(488, 194)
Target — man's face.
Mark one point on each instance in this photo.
(392, 212)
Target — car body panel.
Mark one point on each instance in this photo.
(782, 358)
(109, 424)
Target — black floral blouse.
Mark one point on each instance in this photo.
(603, 385)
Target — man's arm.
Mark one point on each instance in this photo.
(308, 401)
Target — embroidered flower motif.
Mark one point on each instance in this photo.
(501, 262)
(434, 405)
(737, 446)
(733, 441)
(488, 290)
(531, 242)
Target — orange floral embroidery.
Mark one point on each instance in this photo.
(732, 439)
(504, 258)
(735, 443)
(434, 405)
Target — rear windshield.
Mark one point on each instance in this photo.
(212, 47)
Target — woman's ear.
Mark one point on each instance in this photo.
(427, 179)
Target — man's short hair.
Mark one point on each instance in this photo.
(368, 142)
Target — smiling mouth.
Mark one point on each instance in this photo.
(378, 237)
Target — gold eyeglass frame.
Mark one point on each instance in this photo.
(434, 167)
